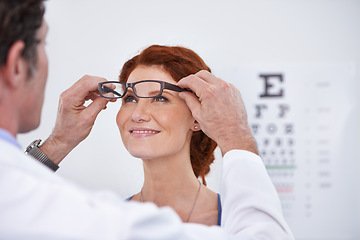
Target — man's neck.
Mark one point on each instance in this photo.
(9, 115)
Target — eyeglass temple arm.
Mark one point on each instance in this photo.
(105, 89)
(175, 88)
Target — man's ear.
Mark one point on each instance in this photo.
(16, 67)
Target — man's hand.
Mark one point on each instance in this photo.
(220, 111)
(74, 120)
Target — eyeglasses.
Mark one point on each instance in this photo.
(141, 89)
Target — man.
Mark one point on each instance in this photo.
(37, 204)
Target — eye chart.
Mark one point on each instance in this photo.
(303, 117)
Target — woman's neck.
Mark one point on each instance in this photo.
(172, 182)
(169, 181)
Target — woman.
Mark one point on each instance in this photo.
(160, 129)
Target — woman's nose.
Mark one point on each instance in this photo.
(141, 112)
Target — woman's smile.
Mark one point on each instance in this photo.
(142, 132)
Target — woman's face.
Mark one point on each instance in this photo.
(154, 127)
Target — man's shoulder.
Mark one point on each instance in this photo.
(14, 161)
(8, 152)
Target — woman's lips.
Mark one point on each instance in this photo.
(143, 132)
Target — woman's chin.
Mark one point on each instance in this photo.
(142, 154)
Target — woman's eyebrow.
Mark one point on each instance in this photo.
(169, 92)
(154, 93)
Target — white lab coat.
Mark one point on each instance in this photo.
(37, 204)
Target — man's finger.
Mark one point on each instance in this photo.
(207, 77)
(192, 102)
(92, 96)
(95, 107)
(87, 84)
(196, 84)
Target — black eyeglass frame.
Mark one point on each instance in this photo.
(163, 85)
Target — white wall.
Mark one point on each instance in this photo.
(97, 37)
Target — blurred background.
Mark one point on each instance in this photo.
(296, 63)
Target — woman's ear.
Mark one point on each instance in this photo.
(16, 67)
(196, 126)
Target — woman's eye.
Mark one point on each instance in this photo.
(129, 98)
(160, 99)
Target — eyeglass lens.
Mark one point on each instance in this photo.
(147, 89)
(112, 90)
(141, 89)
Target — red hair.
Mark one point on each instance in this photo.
(179, 62)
